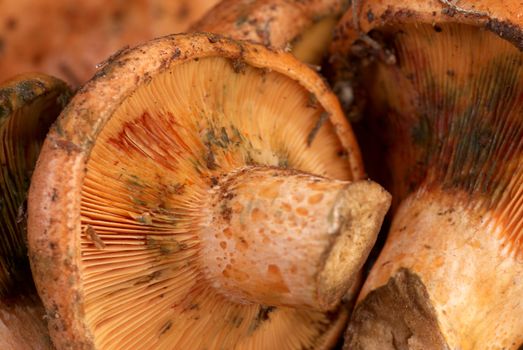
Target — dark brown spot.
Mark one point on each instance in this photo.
(67, 145)
(508, 31)
(238, 65)
(176, 53)
(183, 12)
(148, 278)
(241, 19)
(210, 160)
(312, 101)
(397, 315)
(11, 23)
(449, 11)
(226, 213)
(236, 321)
(261, 317)
(213, 38)
(93, 236)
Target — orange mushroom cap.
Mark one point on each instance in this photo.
(440, 86)
(303, 28)
(177, 203)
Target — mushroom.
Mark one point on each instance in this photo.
(28, 105)
(196, 194)
(443, 84)
(68, 38)
(304, 28)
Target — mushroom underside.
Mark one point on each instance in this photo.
(448, 117)
(28, 106)
(148, 178)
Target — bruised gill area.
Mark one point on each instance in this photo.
(147, 180)
(449, 115)
(28, 106)
(23, 126)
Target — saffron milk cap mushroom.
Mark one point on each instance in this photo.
(304, 27)
(197, 194)
(29, 103)
(443, 84)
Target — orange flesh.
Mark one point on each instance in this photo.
(146, 180)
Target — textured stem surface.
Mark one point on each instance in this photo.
(285, 238)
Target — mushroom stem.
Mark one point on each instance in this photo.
(286, 238)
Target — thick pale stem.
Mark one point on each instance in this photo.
(284, 238)
(444, 280)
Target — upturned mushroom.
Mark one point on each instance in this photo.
(28, 105)
(443, 84)
(304, 27)
(196, 194)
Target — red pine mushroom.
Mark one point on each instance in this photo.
(443, 87)
(196, 194)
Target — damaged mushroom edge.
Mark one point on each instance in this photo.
(388, 12)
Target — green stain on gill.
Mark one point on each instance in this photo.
(237, 137)
(464, 128)
(421, 131)
(135, 182)
(64, 98)
(224, 137)
(218, 138)
(5, 107)
(485, 137)
(241, 19)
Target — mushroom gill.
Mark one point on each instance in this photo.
(447, 114)
(199, 208)
(28, 105)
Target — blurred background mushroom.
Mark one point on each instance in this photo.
(67, 38)
(28, 105)
(440, 90)
(301, 27)
(197, 194)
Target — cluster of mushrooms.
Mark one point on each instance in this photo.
(206, 190)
